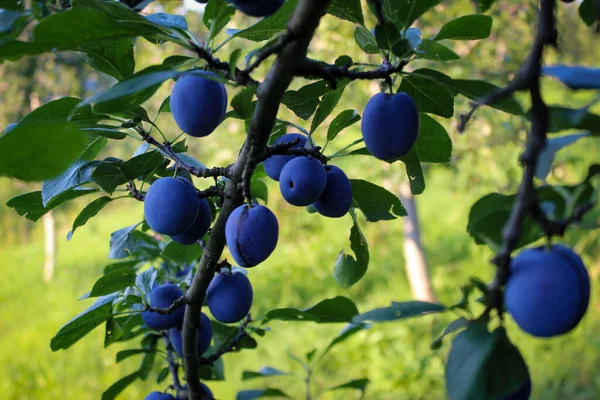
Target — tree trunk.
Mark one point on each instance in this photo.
(50, 246)
(414, 255)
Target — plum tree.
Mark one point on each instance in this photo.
(251, 234)
(548, 290)
(257, 8)
(159, 396)
(302, 181)
(171, 206)
(200, 226)
(523, 393)
(207, 394)
(205, 335)
(390, 125)
(198, 103)
(274, 165)
(229, 296)
(336, 199)
(163, 296)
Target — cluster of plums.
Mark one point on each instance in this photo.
(305, 180)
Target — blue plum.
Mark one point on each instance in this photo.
(548, 290)
(204, 337)
(522, 394)
(302, 181)
(200, 227)
(257, 8)
(198, 104)
(171, 205)
(163, 296)
(275, 164)
(390, 125)
(251, 234)
(229, 297)
(336, 199)
(159, 396)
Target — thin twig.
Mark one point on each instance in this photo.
(173, 365)
(171, 309)
(231, 346)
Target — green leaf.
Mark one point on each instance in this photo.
(562, 118)
(113, 282)
(304, 101)
(349, 10)
(168, 21)
(399, 311)
(180, 253)
(404, 12)
(430, 93)
(365, 40)
(233, 60)
(375, 202)
(106, 132)
(90, 211)
(131, 92)
(476, 89)
(147, 363)
(342, 121)
(162, 375)
(469, 27)
(358, 384)
(433, 143)
(387, 36)
(215, 372)
(109, 176)
(263, 373)
(145, 280)
(114, 58)
(260, 393)
(454, 326)
(242, 103)
(30, 204)
(38, 150)
(328, 103)
(485, 5)
(83, 323)
(268, 27)
(348, 331)
(88, 21)
(338, 309)
(432, 50)
(123, 242)
(142, 164)
(125, 354)
(551, 147)
(589, 11)
(94, 145)
(414, 172)
(77, 174)
(216, 15)
(259, 190)
(116, 388)
(348, 270)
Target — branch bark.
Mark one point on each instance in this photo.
(302, 25)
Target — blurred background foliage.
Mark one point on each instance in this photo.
(396, 357)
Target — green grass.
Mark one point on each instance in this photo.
(395, 356)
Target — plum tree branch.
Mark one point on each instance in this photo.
(168, 310)
(231, 346)
(332, 73)
(303, 23)
(526, 202)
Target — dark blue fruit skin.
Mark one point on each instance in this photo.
(275, 164)
(159, 396)
(548, 291)
(302, 181)
(521, 394)
(198, 104)
(204, 337)
(336, 200)
(171, 206)
(390, 125)
(200, 227)
(163, 296)
(251, 234)
(257, 8)
(229, 297)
